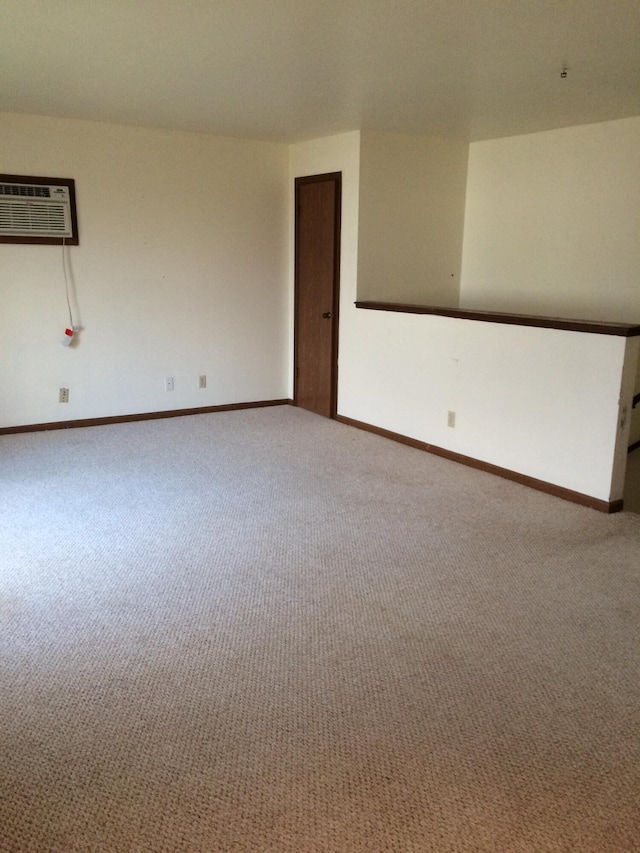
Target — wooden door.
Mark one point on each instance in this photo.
(317, 282)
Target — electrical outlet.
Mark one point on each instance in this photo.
(451, 419)
(202, 381)
(168, 383)
(63, 395)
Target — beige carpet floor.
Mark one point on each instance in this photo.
(267, 631)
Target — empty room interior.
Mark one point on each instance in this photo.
(319, 426)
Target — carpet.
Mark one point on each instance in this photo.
(267, 631)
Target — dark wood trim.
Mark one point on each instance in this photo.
(627, 330)
(46, 241)
(506, 473)
(142, 416)
(313, 179)
(634, 446)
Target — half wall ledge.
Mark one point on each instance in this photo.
(596, 327)
(425, 381)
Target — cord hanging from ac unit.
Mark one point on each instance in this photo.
(71, 328)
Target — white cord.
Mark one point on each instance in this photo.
(66, 281)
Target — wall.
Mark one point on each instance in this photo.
(412, 192)
(552, 223)
(181, 271)
(519, 394)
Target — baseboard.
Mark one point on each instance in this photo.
(506, 473)
(141, 416)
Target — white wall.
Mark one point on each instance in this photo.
(552, 223)
(412, 196)
(181, 270)
(519, 393)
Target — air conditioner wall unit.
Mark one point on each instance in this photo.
(38, 210)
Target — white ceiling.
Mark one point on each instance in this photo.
(289, 70)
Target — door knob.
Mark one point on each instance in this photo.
(327, 315)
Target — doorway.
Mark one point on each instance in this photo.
(318, 201)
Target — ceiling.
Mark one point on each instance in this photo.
(289, 70)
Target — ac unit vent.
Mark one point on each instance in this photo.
(25, 189)
(36, 210)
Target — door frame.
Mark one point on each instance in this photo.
(336, 177)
